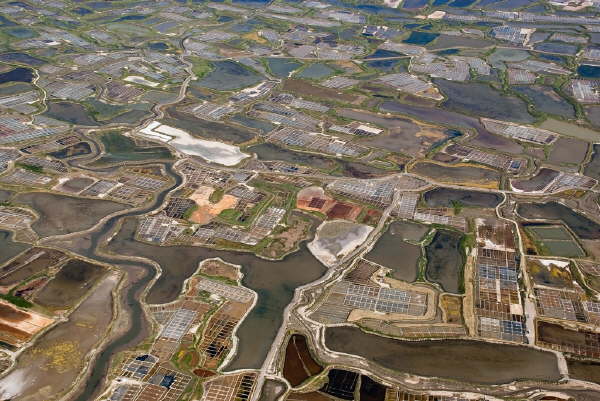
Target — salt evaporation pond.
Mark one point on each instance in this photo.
(212, 151)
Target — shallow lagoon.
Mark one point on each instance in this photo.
(11, 89)
(484, 138)
(458, 175)
(546, 100)
(282, 67)
(445, 260)
(249, 122)
(19, 74)
(500, 56)
(569, 129)
(481, 100)
(229, 75)
(21, 32)
(392, 251)
(463, 360)
(446, 197)
(579, 224)
(560, 48)
(73, 113)
(209, 129)
(22, 58)
(120, 148)
(414, 4)
(9, 248)
(316, 71)
(589, 71)
(269, 151)
(421, 38)
(592, 169)
(61, 214)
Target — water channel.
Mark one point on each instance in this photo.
(274, 281)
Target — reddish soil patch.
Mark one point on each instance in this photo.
(299, 364)
(9, 334)
(344, 211)
(203, 373)
(28, 290)
(17, 326)
(314, 199)
(9, 313)
(207, 210)
(316, 203)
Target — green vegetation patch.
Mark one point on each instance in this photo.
(216, 196)
(18, 301)
(230, 216)
(29, 167)
(200, 67)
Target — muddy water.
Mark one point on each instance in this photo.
(60, 214)
(393, 252)
(592, 169)
(580, 224)
(50, 368)
(144, 275)
(449, 118)
(569, 129)
(9, 248)
(274, 282)
(446, 197)
(464, 360)
(480, 99)
(445, 260)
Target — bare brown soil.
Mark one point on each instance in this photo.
(314, 396)
(203, 373)
(556, 334)
(306, 89)
(452, 308)
(206, 210)
(220, 269)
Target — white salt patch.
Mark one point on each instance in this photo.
(330, 250)
(13, 384)
(136, 79)
(550, 262)
(212, 151)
